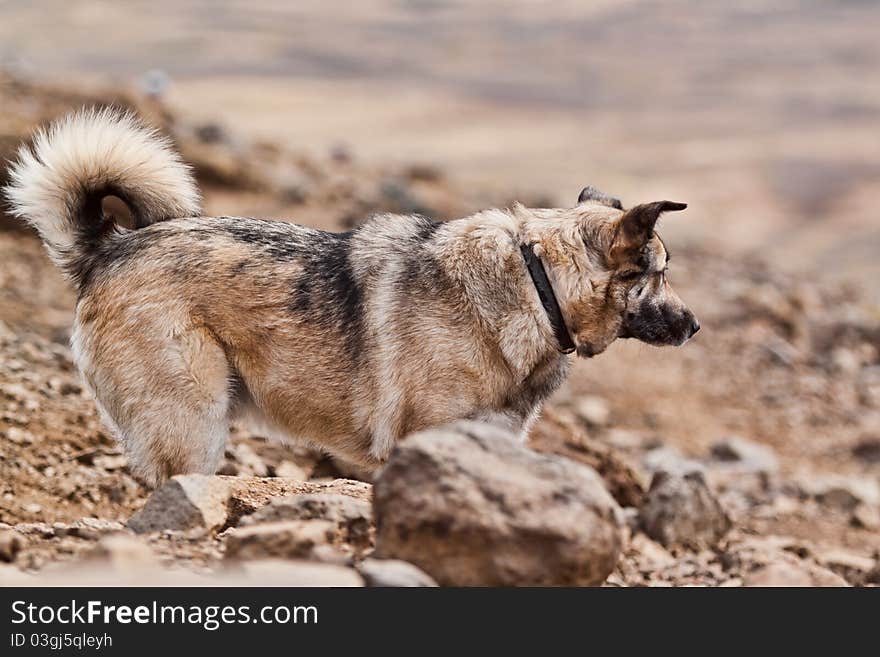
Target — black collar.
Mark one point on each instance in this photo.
(548, 299)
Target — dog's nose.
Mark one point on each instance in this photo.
(695, 326)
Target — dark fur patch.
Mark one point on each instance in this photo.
(267, 236)
(427, 228)
(326, 289)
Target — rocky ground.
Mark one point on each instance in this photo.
(749, 457)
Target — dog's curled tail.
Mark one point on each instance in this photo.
(57, 183)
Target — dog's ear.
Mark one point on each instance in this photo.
(593, 194)
(637, 224)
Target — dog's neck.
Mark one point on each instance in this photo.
(482, 253)
(548, 299)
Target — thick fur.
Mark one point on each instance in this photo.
(58, 182)
(347, 340)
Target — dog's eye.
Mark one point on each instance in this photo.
(629, 275)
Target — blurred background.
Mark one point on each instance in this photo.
(763, 116)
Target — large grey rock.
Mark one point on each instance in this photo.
(471, 506)
(681, 510)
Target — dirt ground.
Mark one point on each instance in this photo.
(787, 362)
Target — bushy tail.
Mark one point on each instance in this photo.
(57, 184)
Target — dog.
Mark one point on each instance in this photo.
(348, 341)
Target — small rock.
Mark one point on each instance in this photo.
(294, 187)
(290, 470)
(593, 411)
(351, 517)
(252, 493)
(249, 460)
(746, 455)
(670, 460)
(866, 517)
(651, 552)
(184, 502)
(471, 506)
(852, 567)
(868, 386)
(94, 528)
(16, 392)
(290, 539)
(110, 462)
(154, 83)
(393, 572)
(11, 543)
(341, 153)
(845, 360)
(41, 529)
(625, 439)
(210, 133)
(397, 195)
(781, 351)
(228, 468)
(844, 492)
(792, 572)
(70, 388)
(681, 510)
(424, 172)
(629, 516)
(60, 529)
(18, 436)
(867, 450)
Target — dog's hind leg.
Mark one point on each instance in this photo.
(162, 388)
